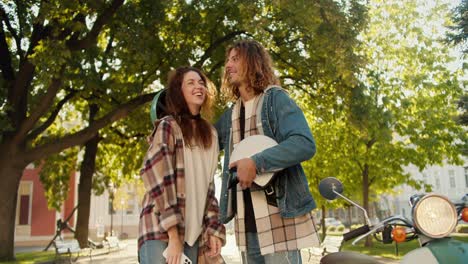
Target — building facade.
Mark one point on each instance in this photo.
(36, 224)
(448, 180)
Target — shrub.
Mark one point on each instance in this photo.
(355, 226)
(462, 228)
(331, 229)
(340, 228)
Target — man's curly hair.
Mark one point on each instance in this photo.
(257, 68)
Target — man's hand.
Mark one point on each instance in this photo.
(246, 172)
(215, 246)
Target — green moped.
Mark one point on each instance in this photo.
(434, 218)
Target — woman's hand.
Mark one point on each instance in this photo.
(174, 251)
(175, 247)
(215, 246)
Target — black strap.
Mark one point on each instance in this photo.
(242, 121)
(250, 225)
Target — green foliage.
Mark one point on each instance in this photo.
(401, 112)
(312, 43)
(32, 257)
(387, 250)
(55, 176)
(340, 228)
(356, 226)
(459, 28)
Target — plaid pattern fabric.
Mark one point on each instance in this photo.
(163, 204)
(275, 234)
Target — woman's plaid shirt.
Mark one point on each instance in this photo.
(163, 205)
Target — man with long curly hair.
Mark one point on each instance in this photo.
(271, 224)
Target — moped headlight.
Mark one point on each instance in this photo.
(435, 216)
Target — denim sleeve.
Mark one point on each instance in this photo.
(295, 141)
(221, 128)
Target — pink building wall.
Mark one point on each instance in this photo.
(43, 220)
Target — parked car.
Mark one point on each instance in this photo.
(331, 221)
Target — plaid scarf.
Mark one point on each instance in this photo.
(275, 234)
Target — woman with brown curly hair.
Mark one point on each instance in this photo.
(180, 210)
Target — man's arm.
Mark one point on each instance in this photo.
(296, 143)
(222, 129)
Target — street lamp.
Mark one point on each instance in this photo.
(122, 202)
(111, 196)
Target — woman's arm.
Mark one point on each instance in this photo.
(159, 175)
(211, 220)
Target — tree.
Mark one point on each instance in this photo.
(38, 50)
(401, 111)
(459, 31)
(459, 36)
(141, 61)
(66, 59)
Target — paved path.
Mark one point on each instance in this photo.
(129, 255)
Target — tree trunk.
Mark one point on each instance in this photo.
(322, 221)
(112, 213)
(365, 197)
(84, 191)
(10, 173)
(350, 219)
(88, 166)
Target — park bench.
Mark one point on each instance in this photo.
(113, 243)
(329, 245)
(70, 248)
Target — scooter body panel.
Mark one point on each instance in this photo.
(419, 255)
(439, 251)
(449, 250)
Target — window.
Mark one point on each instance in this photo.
(24, 210)
(130, 206)
(23, 206)
(452, 178)
(131, 202)
(437, 180)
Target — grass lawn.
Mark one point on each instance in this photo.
(388, 250)
(32, 257)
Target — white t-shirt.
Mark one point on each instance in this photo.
(249, 108)
(200, 166)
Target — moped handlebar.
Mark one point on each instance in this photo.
(379, 226)
(356, 232)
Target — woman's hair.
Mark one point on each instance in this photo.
(201, 133)
(257, 68)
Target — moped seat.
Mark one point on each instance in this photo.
(346, 257)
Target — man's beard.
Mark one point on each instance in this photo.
(233, 82)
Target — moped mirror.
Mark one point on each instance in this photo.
(328, 187)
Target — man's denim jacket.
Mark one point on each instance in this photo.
(283, 121)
